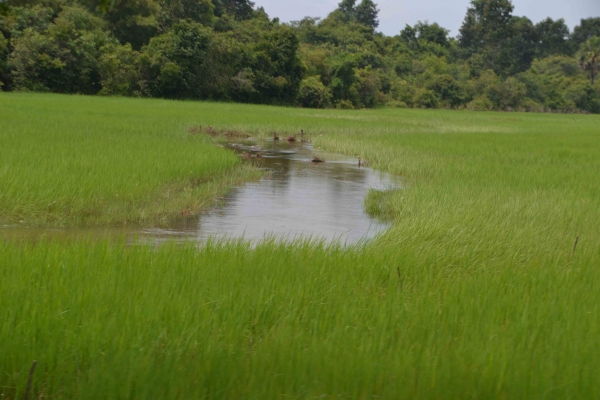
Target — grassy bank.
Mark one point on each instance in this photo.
(475, 292)
(73, 160)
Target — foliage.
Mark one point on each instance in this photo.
(239, 9)
(64, 58)
(173, 64)
(369, 83)
(229, 50)
(131, 21)
(119, 71)
(17, 19)
(480, 103)
(553, 38)
(557, 83)
(277, 67)
(425, 98)
(518, 49)
(174, 11)
(432, 33)
(587, 28)
(589, 57)
(347, 9)
(3, 54)
(448, 90)
(364, 13)
(508, 95)
(313, 93)
(486, 27)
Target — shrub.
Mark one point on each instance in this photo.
(313, 93)
(425, 98)
(480, 103)
(402, 91)
(588, 99)
(448, 90)
(508, 94)
(118, 72)
(369, 84)
(530, 105)
(397, 104)
(344, 105)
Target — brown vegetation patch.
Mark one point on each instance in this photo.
(209, 130)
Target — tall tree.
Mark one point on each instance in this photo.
(409, 34)
(495, 39)
(64, 58)
(367, 13)
(552, 38)
(518, 50)
(131, 21)
(346, 9)
(277, 67)
(173, 11)
(174, 64)
(586, 29)
(486, 25)
(432, 33)
(589, 56)
(3, 55)
(239, 9)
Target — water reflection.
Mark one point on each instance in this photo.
(299, 198)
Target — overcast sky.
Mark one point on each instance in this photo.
(395, 14)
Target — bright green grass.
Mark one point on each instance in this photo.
(72, 160)
(474, 293)
(302, 321)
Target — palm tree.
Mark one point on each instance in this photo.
(589, 56)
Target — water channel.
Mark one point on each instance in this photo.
(297, 198)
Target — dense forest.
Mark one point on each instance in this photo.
(230, 50)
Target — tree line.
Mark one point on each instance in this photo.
(230, 50)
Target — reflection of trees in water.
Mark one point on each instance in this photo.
(187, 224)
(300, 196)
(329, 195)
(341, 178)
(346, 190)
(345, 172)
(280, 166)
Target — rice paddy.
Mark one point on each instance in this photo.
(486, 285)
(73, 161)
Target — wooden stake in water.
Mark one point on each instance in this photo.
(31, 371)
(575, 246)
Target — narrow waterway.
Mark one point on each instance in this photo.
(297, 198)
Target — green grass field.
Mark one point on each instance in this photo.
(475, 292)
(73, 161)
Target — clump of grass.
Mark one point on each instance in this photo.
(379, 204)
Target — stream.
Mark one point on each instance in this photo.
(297, 198)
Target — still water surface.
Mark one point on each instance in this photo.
(296, 198)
